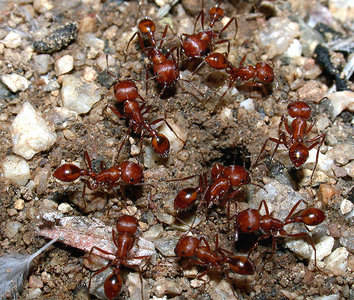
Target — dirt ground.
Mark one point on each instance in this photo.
(226, 134)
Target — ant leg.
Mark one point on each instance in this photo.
(228, 45)
(257, 84)
(115, 111)
(310, 127)
(320, 143)
(242, 61)
(87, 160)
(228, 24)
(169, 126)
(278, 142)
(265, 207)
(262, 237)
(203, 239)
(100, 271)
(292, 211)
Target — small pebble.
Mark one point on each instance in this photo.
(247, 104)
(342, 153)
(35, 282)
(30, 133)
(64, 65)
(346, 206)
(341, 101)
(49, 204)
(19, 204)
(294, 49)
(42, 63)
(166, 246)
(337, 261)
(35, 293)
(42, 5)
(165, 286)
(64, 207)
(176, 138)
(88, 24)
(326, 192)
(90, 74)
(165, 218)
(15, 82)
(12, 228)
(77, 95)
(16, 170)
(154, 232)
(350, 169)
(12, 40)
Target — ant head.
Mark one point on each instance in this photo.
(237, 175)
(216, 13)
(299, 109)
(67, 173)
(125, 90)
(186, 246)
(312, 216)
(131, 173)
(185, 198)
(264, 72)
(216, 171)
(248, 220)
(147, 26)
(160, 144)
(113, 285)
(127, 224)
(241, 265)
(298, 154)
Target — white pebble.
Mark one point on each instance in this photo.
(90, 74)
(42, 63)
(294, 49)
(329, 297)
(278, 35)
(350, 169)
(64, 207)
(42, 5)
(346, 206)
(247, 104)
(64, 65)
(343, 100)
(12, 40)
(16, 169)
(19, 204)
(324, 164)
(337, 262)
(30, 133)
(79, 96)
(15, 82)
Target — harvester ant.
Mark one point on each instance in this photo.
(197, 251)
(296, 142)
(126, 172)
(126, 93)
(250, 220)
(196, 45)
(123, 239)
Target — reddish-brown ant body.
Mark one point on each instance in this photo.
(297, 142)
(250, 220)
(227, 183)
(123, 238)
(126, 172)
(197, 45)
(126, 94)
(198, 252)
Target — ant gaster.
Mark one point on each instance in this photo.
(298, 130)
(250, 220)
(126, 172)
(123, 239)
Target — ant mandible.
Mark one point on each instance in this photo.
(198, 251)
(126, 172)
(126, 93)
(250, 220)
(298, 130)
(196, 45)
(123, 239)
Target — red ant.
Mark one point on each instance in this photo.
(126, 172)
(123, 239)
(198, 44)
(219, 191)
(198, 252)
(164, 66)
(250, 220)
(296, 142)
(126, 93)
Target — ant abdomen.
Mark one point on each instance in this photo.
(312, 216)
(185, 198)
(241, 265)
(67, 172)
(112, 286)
(160, 144)
(131, 173)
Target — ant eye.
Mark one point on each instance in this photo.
(249, 227)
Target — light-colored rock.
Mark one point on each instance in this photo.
(342, 153)
(323, 248)
(77, 95)
(337, 261)
(347, 239)
(19, 204)
(324, 164)
(167, 286)
(154, 232)
(64, 65)
(16, 170)
(247, 104)
(64, 207)
(42, 63)
(176, 138)
(294, 49)
(350, 169)
(30, 133)
(42, 5)
(346, 206)
(15, 82)
(343, 100)
(166, 246)
(12, 40)
(278, 35)
(342, 9)
(222, 290)
(90, 74)
(12, 228)
(329, 297)
(165, 218)
(134, 287)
